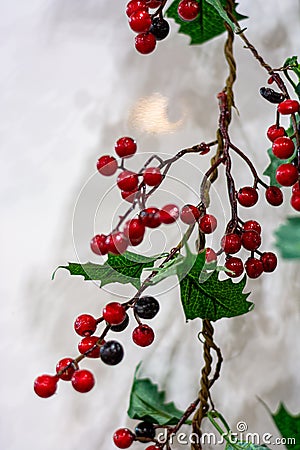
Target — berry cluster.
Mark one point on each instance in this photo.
(287, 174)
(150, 27)
(144, 432)
(111, 352)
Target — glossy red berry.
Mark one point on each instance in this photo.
(134, 229)
(83, 381)
(231, 243)
(188, 10)
(143, 335)
(287, 174)
(117, 243)
(247, 196)
(296, 188)
(123, 438)
(295, 201)
(189, 214)
(85, 325)
(288, 107)
(251, 240)
(87, 344)
(150, 217)
(140, 21)
(275, 132)
(270, 80)
(152, 176)
(129, 196)
(45, 385)
(235, 265)
(169, 214)
(127, 181)
(145, 43)
(98, 244)
(64, 363)
(208, 223)
(135, 242)
(252, 225)
(210, 255)
(274, 196)
(153, 4)
(107, 165)
(125, 147)
(114, 313)
(269, 261)
(283, 147)
(135, 5)
(254, 267)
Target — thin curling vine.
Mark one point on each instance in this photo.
(203, 294)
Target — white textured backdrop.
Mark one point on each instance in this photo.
(68, 81)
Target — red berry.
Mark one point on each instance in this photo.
(114, 313)
(152, 176)
(129, 196)
(123, 438)
(210, 255)
(251, 240)
(135, 242)
(275, 132)
(283, 147)
(235, 265)
(208, 223)
(254, 267)
(247, 196)
(153, 4)
(98, 244)
(83, 381)
(127, 181)
(140, 21)
(188, 10)
(145, 43)
(125, 147)
(287, 174)
(143, 335)
(270, 80)
(274, 196)
(85, 325)
(150, 217)
(296, 188)
(135, 5)
(189, 214)
(87, 344)
(295, 201)
(252, 225)
(107, 165)
(45, 385)
(288, 107)
(67, 374)
(134, 229)
(231, 243)
(169, 214)
(117, 243)
(269, 261)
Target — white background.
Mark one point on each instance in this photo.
(69, 78)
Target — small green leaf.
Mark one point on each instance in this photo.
(208, 25)
(221, 11)
(148, 403)
(126, 268)
(288, 238)
(245, 446)
(212, 299)
(289, 427)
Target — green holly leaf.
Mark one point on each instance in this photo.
(148, 403)
(212, 299)
(126, 268)
(275, 162)
(288, 238)
(288, 426)
(208, 25)
(293, 65)
(241, 445)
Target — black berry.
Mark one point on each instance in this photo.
(146, 307)
(121, 326)
(160, 28)
(145, 431)
(111, 353)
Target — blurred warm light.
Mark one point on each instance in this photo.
(150, 115)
